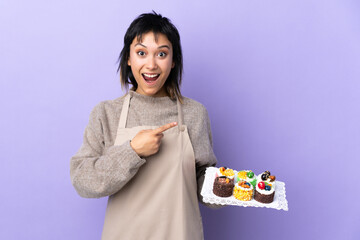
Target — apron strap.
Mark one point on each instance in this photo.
(125, 110)
(180, 116)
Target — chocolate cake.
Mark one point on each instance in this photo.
(264, 198)
(265, 187)
(223, 186)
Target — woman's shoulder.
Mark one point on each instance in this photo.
(107, 108)
(196, 118)
(113, 103)
(194, 111)
(192, 105)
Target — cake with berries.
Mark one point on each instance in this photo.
(248, 176)
(265, 188)
(223, 186)
(267, 178)
(243, 191)
(224, 171)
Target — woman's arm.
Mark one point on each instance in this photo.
(204, 153)
(97, 171)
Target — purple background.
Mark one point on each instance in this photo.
(280, 80)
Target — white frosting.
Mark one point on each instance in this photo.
(218, 174)
(246, 189)
(263, 191)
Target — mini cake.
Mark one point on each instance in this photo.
(248, 176)
(223, 186)
(267, 178)
(243, 191)
(224, 171)
(265, 189)
(264, 192)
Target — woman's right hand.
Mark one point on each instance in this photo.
(147, 142)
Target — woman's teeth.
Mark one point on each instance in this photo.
(150, 77)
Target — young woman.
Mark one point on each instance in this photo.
(149, 149)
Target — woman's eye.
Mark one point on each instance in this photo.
(141, 53)
(162, 54)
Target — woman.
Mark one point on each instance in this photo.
(148, 150)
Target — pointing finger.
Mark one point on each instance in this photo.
(165, 127)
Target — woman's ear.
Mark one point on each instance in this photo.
(172, 65)
(128, 62)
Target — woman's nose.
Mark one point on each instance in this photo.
(151, 63)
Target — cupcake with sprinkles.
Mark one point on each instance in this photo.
(243, 191)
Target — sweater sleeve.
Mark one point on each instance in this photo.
(204, 153)
(98, 171)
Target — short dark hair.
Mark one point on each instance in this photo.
(152, 22)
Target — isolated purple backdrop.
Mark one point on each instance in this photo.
(280, 80)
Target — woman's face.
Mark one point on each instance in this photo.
(151, 63)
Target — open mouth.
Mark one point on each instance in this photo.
(150, 78)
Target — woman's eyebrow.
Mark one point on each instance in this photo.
(140, 45)
(162, 46)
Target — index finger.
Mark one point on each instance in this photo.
(165, 127)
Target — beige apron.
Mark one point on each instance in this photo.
(160, 202)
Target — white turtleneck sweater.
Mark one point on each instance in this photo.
(101, 169)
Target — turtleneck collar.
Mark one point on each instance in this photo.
(149, 99)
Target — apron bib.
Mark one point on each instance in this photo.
(160, 202)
